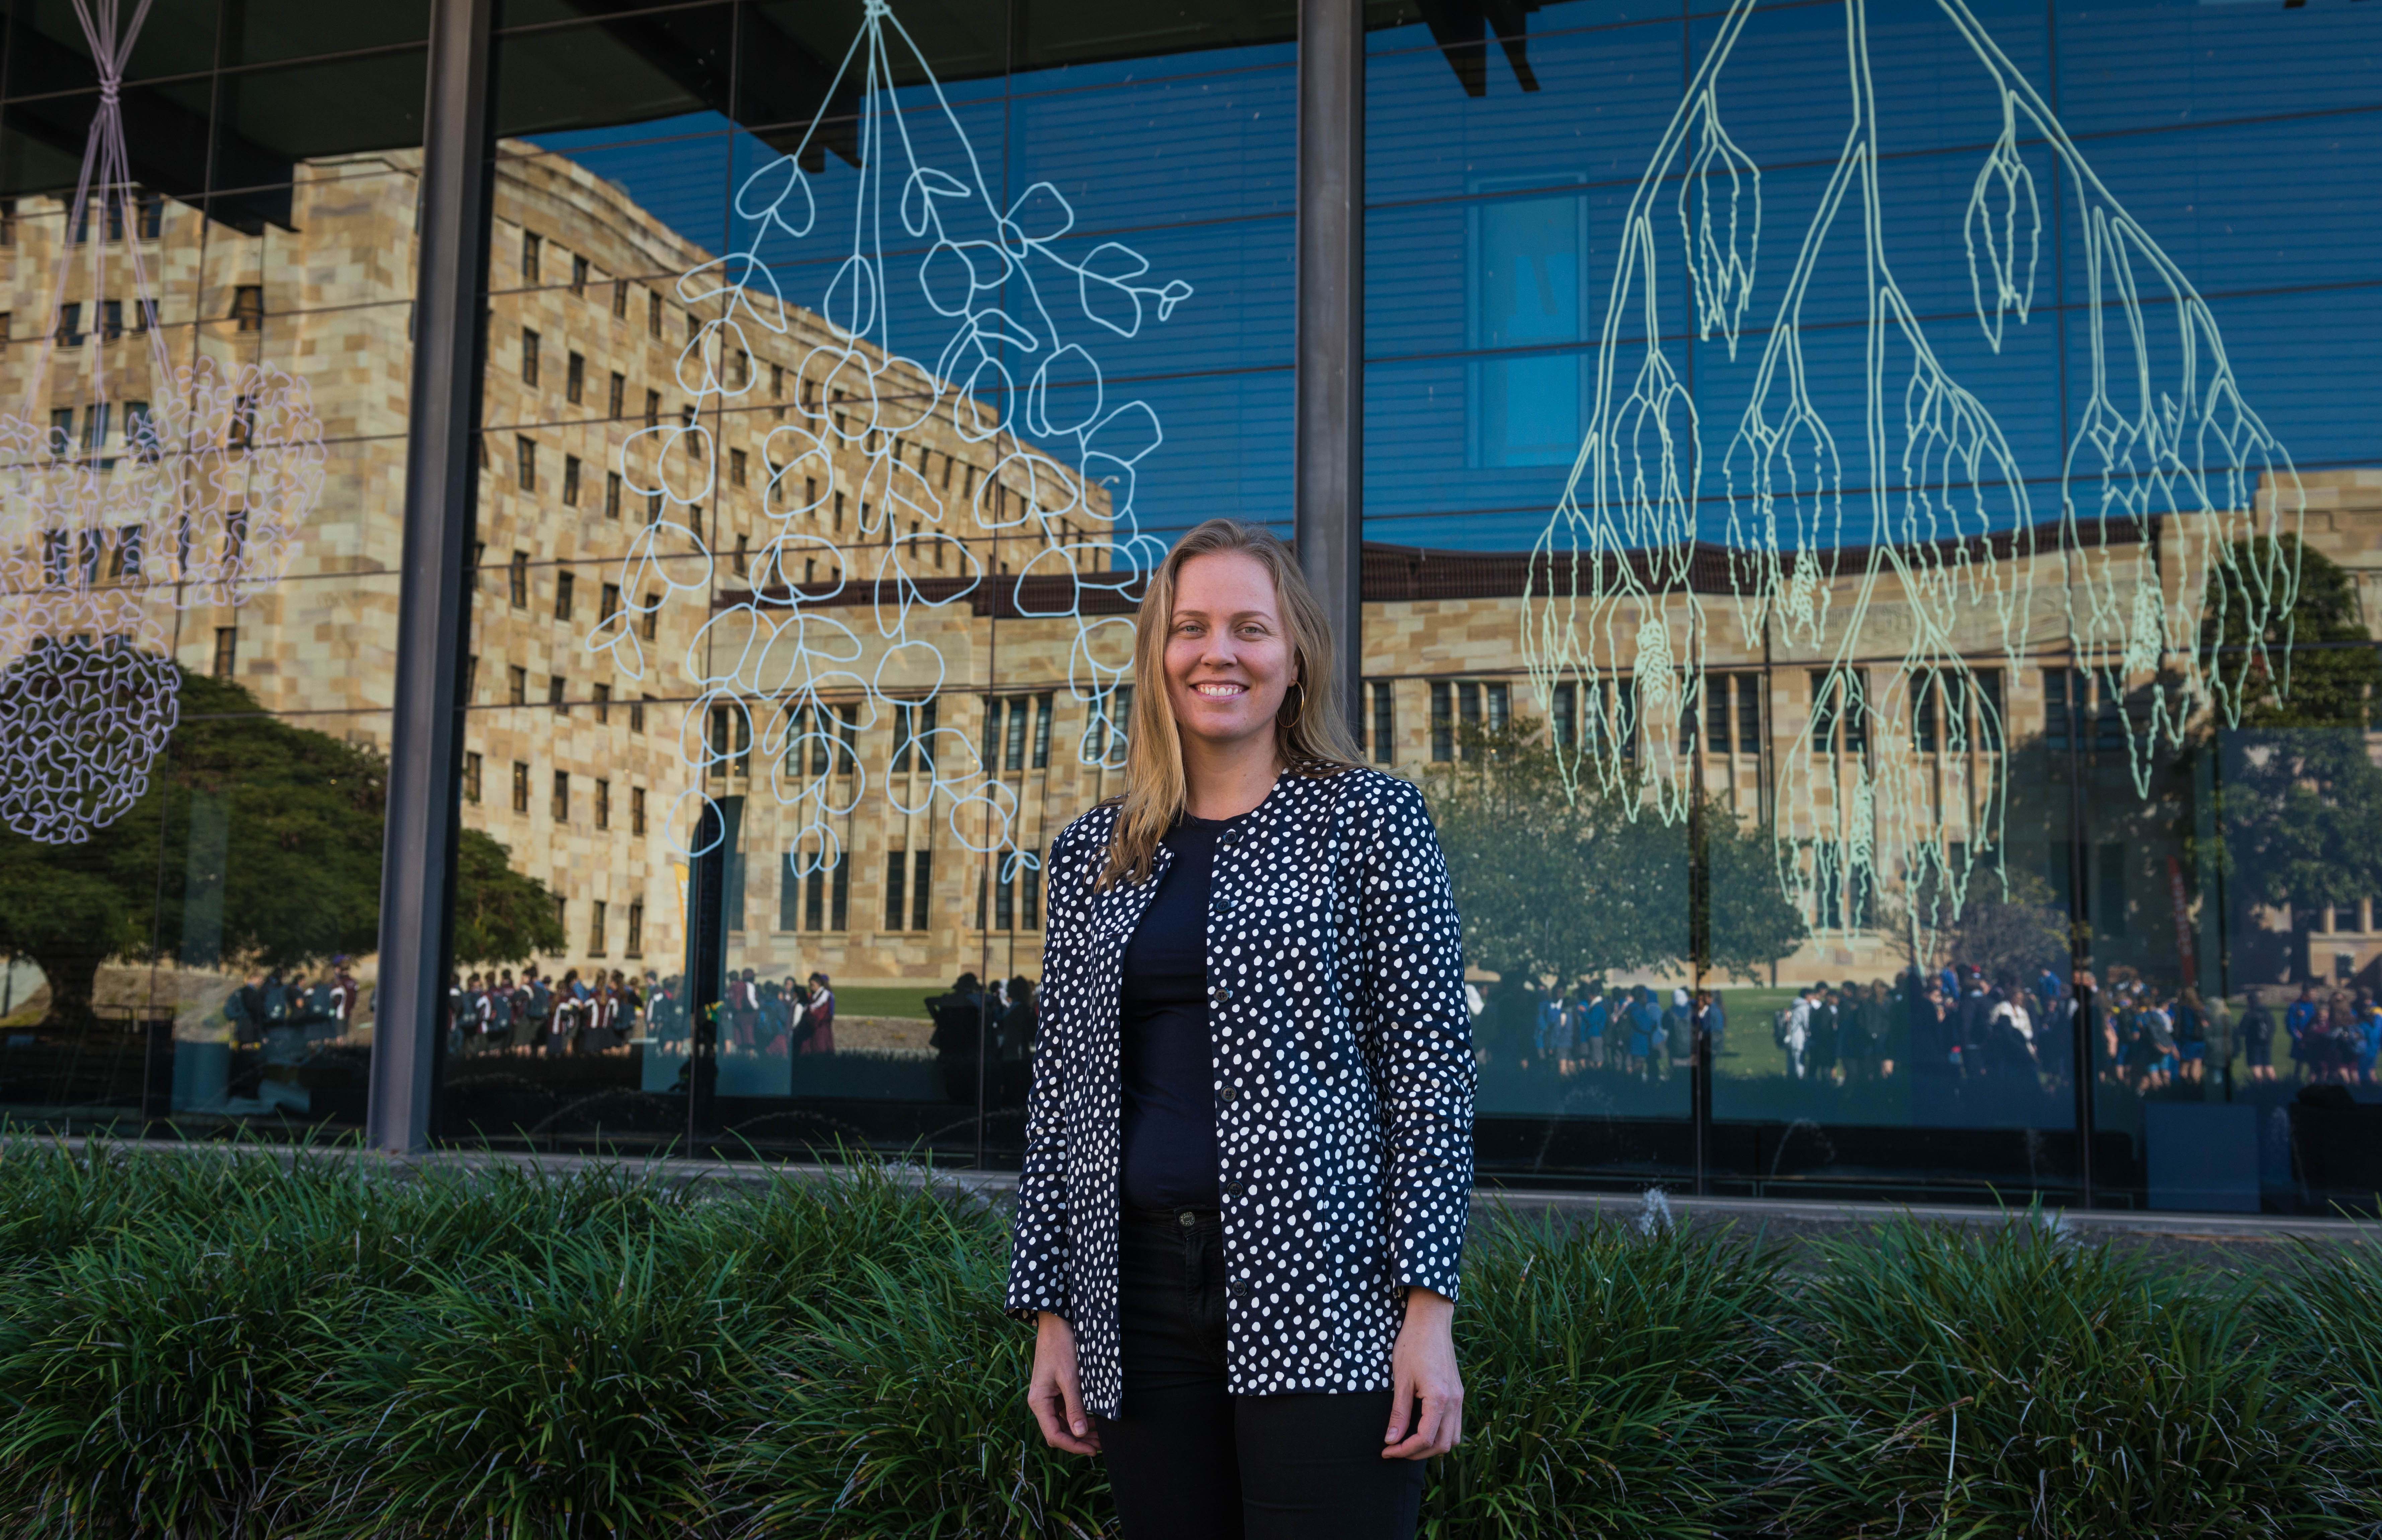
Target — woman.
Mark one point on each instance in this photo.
(1248, 1151)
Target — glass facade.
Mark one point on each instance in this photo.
(206, 328)
(1868, 522)
(1866, 534)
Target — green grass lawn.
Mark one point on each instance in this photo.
(898, 999)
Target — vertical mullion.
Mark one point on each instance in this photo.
(449, 341)
(1329, 474)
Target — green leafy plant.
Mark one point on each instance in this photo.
(901, 1411)
(1608, 1380)
(1961, 1382)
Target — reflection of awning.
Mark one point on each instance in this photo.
(1461, 30)
(163, 134)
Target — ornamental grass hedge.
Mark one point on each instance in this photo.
(244, 1343)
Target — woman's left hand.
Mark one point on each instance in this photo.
(1427, 1394)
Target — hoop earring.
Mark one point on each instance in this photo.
(1290, 709)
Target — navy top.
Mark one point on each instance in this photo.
(1169, 1073)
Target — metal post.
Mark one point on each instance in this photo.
(1328, 479)
(417, 870)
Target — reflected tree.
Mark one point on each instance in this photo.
(502, 916)
(1565, 886)
(2302, 799)
(256, 844)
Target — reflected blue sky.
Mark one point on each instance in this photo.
(2244, 138)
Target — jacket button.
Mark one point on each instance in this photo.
(1232, 1190)
(1230, 836)
(1238, 1290)
(1222, 994)
(1228, 1095)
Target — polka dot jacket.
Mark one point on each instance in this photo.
(1344, 1086)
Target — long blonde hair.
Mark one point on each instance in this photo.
(1310, 738)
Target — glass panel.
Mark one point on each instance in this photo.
(879, 591)
(1752, 418)
(202, 526)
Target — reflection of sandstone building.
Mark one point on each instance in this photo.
(580, 766)
(1441, 639)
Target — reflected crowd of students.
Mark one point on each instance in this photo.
(537, 1015)
(1981, 1033)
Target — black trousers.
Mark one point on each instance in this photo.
(1189, 1462)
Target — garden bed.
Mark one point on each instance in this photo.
(202, 1343)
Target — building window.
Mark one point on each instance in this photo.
(574, 379)
(896, 872)
(620, 303)
(226, 650)
(611, 494)
(636, 938)
(913, 722)
(741, 558)
(615, 397)
(1839, 713)
(596, 928)
(471, 677)
(560, 806)
(247, 307)
(611, 602)
(731, 741)
(637, 713)
(637, 810)
(565, 587)
(922, 889)
(525, 463)
(653, 409)
(653, 313)
(561, 914)
(532, 247)
(517, 580)
(1383, 719)
(71, 323)
(578, 281)
(554, 695)
(516, 685)
(603, 805)
(1442, 720)
(470, 778)
(520, 787)
(529, 356)
(1044, 705)
(602, 705)
(736, 467)
(570, 481)
(1030, 899)
(652, 617)
(240, 433)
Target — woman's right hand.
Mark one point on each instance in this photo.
(1054, 1393)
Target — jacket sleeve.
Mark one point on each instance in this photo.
(1416, 1034)
(1038, 1234)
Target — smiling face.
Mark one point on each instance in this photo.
(1229, 661)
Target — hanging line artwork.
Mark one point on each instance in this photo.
(1002, 343)
(1927, 566)
(146, 483)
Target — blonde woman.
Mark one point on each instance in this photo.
(1249, 1147)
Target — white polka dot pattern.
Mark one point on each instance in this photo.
(1344, 1086)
